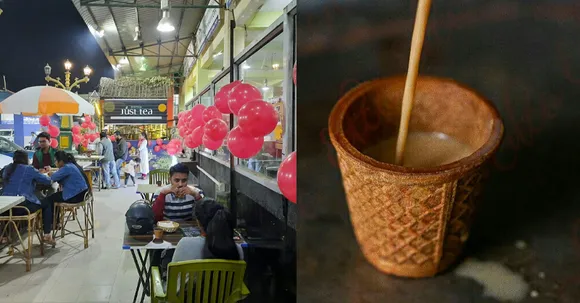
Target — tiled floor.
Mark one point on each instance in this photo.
(68, 273)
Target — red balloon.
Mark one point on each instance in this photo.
(257, 118)
(44, 120)
(243, 145)
(189, 142)
(164, 146)
(53, 143)
(157, 148)
(85, 125)
(242, 94)
(211, 144)
(88, 119)
(197, 112)
(171, 150)
(76, 129)
(222, 97)
(112, 138)
(92, 125)
(216, 129)
(211, 112)
(53, 131)
(159, 141)
(294, 72)
(94, 136)
(77, 139)
(149, 143)
(197, 135)
(85, 143)
(128, 144)
(287, 177)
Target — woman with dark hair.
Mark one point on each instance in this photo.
(143, 155)
(73, 180)
(217, 235)
(20, 179)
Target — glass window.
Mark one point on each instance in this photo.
(265, 70)
(206, 98)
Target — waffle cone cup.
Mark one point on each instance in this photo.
(412, 222)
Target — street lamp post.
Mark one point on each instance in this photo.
(65, 137)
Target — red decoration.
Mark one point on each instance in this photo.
(223, 95)
(53, 131)
(242, 94)
(216, 129)
(77, 138)
(211, 112)
(44, 120)
(92, 125)
(53, 143)
(257, 118)
(157, 148)
(85, 125)
(243, 145)
(112, 138)
(197, 135)
(88, 119)
(76, 129)
(287, 177)
(197, 112)
(159, 141)
(211, 144)
(294, 73)
(150, 143)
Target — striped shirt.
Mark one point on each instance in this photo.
(178, 209)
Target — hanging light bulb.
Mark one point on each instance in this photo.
(165, 22)
(124, 60)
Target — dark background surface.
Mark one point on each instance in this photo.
(36, 32)
(524, 57)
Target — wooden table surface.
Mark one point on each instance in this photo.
(170, 240)
(7, 202)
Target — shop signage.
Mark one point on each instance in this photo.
(207, 27)
(135, 111)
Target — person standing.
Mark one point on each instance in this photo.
(32, 140)
(43, 158)
(121, 152)
(143, 155)
(108, 161)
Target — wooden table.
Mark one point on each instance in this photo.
(7, 202)
(136, 243)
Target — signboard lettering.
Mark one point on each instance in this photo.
(135, 111)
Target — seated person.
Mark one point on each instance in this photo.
(175, 201)
(20, 180)
(73, 180)
(43, 158)
(216, 224)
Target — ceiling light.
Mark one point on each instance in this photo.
(245, 66)
(143, 68)
(124, 61)
(276, 66)
(165, 22)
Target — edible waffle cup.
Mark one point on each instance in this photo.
(172, 229)
(412, 222)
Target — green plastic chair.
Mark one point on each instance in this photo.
(159, 175)
(222, 281)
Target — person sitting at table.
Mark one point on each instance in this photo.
(216, 241)
(20, 179)
(175, 201)
(73, 180)
(43, 158)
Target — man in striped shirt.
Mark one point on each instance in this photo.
(175, 202)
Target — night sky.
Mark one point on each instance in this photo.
(36, 32)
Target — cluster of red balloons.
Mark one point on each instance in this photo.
(88, 136)
(206, 126)
(174, 147)
(52, 130)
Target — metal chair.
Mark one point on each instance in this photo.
(11, 228)
(68, 212)
(159, 175)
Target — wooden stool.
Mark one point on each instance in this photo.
(68, 212)
(34, 221)
(94, 171)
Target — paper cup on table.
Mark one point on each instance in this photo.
(412, 222)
